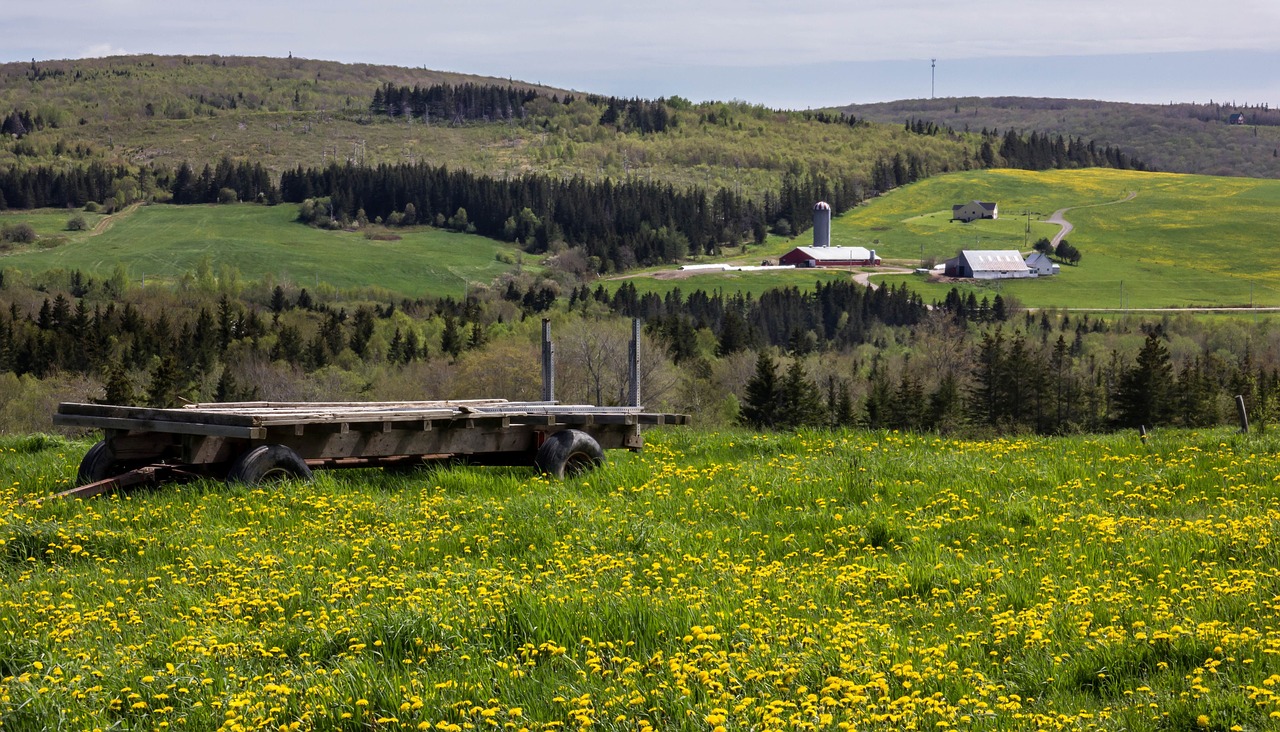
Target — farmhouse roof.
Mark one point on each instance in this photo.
(986, 205)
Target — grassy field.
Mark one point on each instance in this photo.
(747, 283)
(716, 581)
(163, 242)
(1180, 241)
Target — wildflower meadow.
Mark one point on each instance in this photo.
(715, 581)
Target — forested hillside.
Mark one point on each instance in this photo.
(623, 181)
(290, 113)
(1177, 138)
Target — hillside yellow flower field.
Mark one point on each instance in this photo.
(716, 581)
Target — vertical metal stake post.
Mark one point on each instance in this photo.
(635, 362)
(548, 363)
(1244, 416)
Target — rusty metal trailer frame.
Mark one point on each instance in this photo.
(145, 445)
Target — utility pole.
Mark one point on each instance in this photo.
(933, 65)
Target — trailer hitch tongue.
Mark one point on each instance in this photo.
(148, 474)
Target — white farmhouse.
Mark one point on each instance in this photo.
(1040, 264)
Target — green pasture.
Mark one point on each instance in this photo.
(717, 580)
(746, 283)
(51, 222)
(162, 242)
(1181, 241)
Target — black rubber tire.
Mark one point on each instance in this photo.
(268, 464)
(98, 464)
(569, 452)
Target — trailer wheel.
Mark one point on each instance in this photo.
(569, 452)
(99, 463)
(268, 464)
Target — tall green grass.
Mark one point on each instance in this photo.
(716, 579)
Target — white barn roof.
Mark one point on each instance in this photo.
(994, 260)
(837, 254)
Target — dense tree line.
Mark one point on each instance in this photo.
(924, 127)
(45, 187)
(839, 355)
(452, 103)
(898, 171)
(1045, 152)
(22, 122)
(637, 115)
(459, 103)
(84, 331)
(248, 182)
(1035, 378)
(833, 118)
(613, 222)
(835, 315)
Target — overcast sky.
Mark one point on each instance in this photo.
(783, 54)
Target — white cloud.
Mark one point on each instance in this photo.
(100, 50)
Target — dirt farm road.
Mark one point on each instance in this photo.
(1059, 216)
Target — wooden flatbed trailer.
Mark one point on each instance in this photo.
(255, 442)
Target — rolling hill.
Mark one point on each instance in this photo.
(1154, 239)
(284, 113)
(1177, 138)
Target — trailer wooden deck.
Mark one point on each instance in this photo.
(257, 441)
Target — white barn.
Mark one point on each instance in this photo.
(989, 264)
(830, 257)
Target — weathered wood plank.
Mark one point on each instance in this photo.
(271, 407)
(160, 425)
(146, 413)
(370, 416)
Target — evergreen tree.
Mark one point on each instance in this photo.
(879, 402)
(119, 387)
(478, 337)
(907, 410)
(1145, 391)
(760, 409)
(842, 414)
(451, 337)
(229, 391)
(734, 335)
(278, 301)
(798, 402)
(946, 407)
(166, 383)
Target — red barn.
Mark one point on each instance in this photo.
(829, 257)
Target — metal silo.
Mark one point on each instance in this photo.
(821, 224)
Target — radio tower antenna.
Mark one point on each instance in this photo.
(933, 64)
